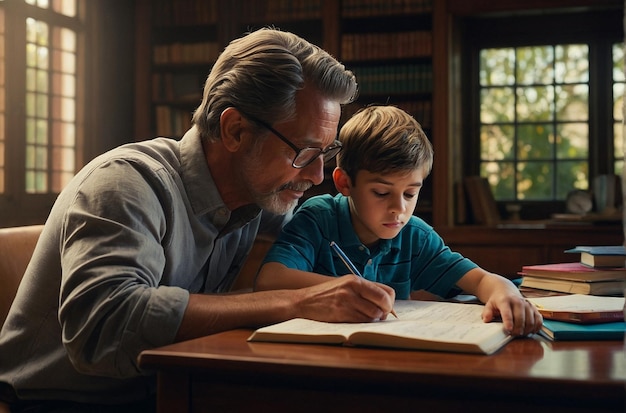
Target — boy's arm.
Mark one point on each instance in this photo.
(502, 298)
(274, 276)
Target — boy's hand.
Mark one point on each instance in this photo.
(346, 299)
(502, 299)
(519, 316)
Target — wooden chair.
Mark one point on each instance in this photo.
(16, 248)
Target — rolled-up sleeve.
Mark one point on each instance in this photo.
(112, 255)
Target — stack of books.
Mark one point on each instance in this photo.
(581, 300)
(581, 317)
(601, 271)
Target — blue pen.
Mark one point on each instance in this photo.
(342, 255)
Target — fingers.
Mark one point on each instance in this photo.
(519, 316)
(380, 295)
(348, 299)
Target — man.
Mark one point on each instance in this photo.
(138, 245)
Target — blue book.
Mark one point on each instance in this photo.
(601, 255)
(560, 330)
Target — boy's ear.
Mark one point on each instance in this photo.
(230, 129)
(342, 181)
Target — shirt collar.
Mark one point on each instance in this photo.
(199, 184)
(201, 189)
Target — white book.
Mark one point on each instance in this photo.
(421, 325)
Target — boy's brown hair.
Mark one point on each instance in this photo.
(383, 140)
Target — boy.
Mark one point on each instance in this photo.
(385, 158)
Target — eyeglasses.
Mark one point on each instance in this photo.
(304, 156)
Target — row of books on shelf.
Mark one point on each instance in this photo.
(421, 110)
(277, 10)
(174, 53)
(364, 8)
(395, 79)
(170, 86)
(369, 46)
(581, 300)
(184, 12)
(198, 12)
(172, 122)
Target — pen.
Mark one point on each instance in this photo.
(342, 255)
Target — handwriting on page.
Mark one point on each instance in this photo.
(432, 330)
(436, 311)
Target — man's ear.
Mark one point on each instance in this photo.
(230, 129)
(343, 183)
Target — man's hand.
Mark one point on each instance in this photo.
(345, 299)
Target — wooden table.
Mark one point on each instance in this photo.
(224, 372)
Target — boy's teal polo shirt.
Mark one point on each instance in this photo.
(416, 259)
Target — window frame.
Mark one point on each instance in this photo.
(22, 207)
(528, 29)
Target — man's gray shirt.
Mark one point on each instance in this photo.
(136, 231)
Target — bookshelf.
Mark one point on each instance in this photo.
(388, 45)
(184, 45)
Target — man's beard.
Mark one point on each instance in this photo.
(273, 203)
(269, 201)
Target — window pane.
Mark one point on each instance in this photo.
(573, 141)
(64, 84)
(535, 103)
(618, 107)
(572, 102)
(535, 141)
(496, 142)
(65, 39)
(618, 142)
(535, 65)
(571, 63)
(64, 102)
(535, 180)
(546, 104)
(497, 105)
(570, 175)
(39, 3)
(37, 105)
(65, 7)
(618, 101)
(63, 134)
(51, 106)
(2, 103)
(618, 63)
(30, 104)
(497, 67)
(501, 177)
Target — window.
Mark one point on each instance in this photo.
(534, 120)
(618, 105)
(41, 83)
(548, 104)
(3, 112)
